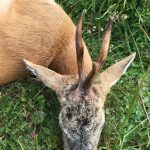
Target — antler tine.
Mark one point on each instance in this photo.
(105, 43)
(79, 51)
(89, 79)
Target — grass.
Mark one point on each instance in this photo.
(29, 111)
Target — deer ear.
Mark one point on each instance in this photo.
(111, 75)
(50, 78)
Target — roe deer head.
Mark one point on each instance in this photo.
(82, 97)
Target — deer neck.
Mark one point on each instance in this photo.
(66, 61)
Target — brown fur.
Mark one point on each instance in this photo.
(40, 32)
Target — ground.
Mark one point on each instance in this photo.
(29, 111)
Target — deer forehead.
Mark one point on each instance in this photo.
(71, 96)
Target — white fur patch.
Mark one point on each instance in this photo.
(51, 1)
(125, 69)
(5, 5)
(27, 64)
(114, 82)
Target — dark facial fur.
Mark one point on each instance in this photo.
(81, 120)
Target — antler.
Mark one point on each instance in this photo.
(102, 55)
(85, 83)
(105, 43)
(79, 51)
(89, 79)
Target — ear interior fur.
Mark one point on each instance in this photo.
(50, 78)
(111, 75)
(28, 66)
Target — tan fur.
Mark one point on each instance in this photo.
(39, 31)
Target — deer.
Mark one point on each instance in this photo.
(61, 61)
(82, 96)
